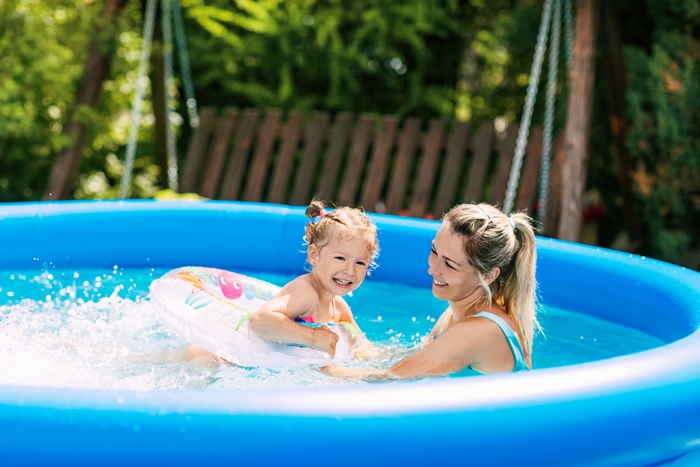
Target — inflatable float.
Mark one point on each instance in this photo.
(638, 410)
(210, 308)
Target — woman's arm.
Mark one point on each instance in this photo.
(461, 345)
(275, 321)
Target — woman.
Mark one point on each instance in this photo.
(483, 263)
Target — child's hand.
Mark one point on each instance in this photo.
(344, 372)
(353, 373)
(326, 340)
(365, 351)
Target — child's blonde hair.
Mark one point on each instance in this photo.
(341, 222)
(494, 240)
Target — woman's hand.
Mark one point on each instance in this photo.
(325, 340)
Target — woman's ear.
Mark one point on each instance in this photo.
(312, 253)
(492, 275)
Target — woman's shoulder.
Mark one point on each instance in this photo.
(479, 331)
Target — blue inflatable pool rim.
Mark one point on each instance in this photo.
(636, 410)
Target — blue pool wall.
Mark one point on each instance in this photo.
(637, 410)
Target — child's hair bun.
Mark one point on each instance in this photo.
(315, 208)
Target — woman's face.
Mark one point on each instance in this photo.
(453, 277)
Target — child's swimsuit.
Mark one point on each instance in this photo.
(310, 318)
(512, 339)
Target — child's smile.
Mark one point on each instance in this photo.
(340, 266)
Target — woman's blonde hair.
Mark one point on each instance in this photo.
(494, 240)
(342, 222)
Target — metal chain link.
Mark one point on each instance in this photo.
(185, 65)
(524, 130)
(549, 112)
(170, 143)
(137, 103)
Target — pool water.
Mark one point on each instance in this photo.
(97, 329)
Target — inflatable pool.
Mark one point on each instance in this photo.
(637, 410)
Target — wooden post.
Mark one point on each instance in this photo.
(617, 92)
(67, 163)
(578, 119)
(159, 97)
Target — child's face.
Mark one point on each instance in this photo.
(340, 266)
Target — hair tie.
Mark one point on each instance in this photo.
(481, 209)
(322, 213)
(512, 223)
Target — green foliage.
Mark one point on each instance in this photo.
(42, 50)
(103, 158)
(360, 56)
(664, 110)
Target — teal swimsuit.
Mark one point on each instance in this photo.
(512, 339)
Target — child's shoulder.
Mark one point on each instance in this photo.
(301, 284)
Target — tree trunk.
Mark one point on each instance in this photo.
(67, 163)
(578, 119)
(617, 92)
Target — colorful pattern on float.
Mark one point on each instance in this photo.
(211, 307)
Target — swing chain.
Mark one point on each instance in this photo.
(170, 143)
(137, 103)
(549, 113)
(569, 31)
(185, 65)
(531, 95)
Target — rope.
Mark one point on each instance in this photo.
(185, 65)
(569, 31)
(549, 112)
(170, 143)
(138, 97)
(524, 129)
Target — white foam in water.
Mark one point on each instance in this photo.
(112, 342)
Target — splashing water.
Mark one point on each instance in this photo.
(97, 329)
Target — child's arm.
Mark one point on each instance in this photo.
(275, 320)
(364, 349)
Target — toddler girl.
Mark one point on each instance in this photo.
(342, 245)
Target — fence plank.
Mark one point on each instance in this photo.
(408, 140)
(361, 138)
(385, 175)
(336, 149)
(452, 168)
(527, 188)
(197, 150)
(219, 151)
(315, 136)
(432, 145)
(239, 155)
(257, 173)
(384, 142)
(481, 149)
(506, 150)
(291, 133)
